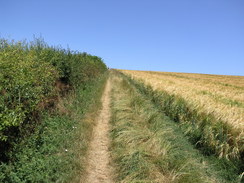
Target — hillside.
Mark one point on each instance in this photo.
(66, 118)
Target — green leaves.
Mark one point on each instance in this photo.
(23, 84)
(28, 73)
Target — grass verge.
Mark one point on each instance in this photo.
(55, 151)
(148, 147)
(210, 136)
(215, 127)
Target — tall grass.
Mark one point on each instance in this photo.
(221, 97)
(209, 135)
(148, 147)
(181, 103)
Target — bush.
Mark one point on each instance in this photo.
(28, 73)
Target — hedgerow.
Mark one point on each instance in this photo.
(29, 72)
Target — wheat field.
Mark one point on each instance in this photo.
(220, 95)
(217, 97)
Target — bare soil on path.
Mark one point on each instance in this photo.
(99, 169)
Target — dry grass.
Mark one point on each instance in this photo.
(222, 96)
(147, 147)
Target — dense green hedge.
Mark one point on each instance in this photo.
(29, 73)
(55, 151)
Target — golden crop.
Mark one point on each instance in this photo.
(219, 95)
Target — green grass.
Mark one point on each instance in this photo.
(56, 151)
(148, 146)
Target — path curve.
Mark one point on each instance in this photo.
(99, 169)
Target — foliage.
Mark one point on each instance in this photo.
(28, 75)
(55, 151)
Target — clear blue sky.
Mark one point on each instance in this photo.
(200, 36)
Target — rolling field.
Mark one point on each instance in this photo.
(157, 137)
(222, 96)
(64, 117)
(214, 104)
(144, 127)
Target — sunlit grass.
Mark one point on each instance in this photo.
(148, 147)
(212, 114)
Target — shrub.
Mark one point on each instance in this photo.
(28, 73)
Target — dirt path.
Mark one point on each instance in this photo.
(99, 169)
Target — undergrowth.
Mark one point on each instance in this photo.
(55, 151)
(30, 76)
